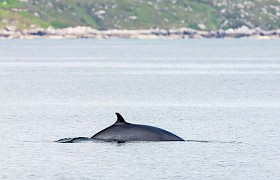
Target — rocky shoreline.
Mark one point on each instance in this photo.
(181, 33)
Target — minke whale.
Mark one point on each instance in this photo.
(123, 131)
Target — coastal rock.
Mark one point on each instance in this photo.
(181, 33)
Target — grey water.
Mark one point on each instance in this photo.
(222, 96)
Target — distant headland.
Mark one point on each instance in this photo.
(144, 19)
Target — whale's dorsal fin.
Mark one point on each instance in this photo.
(120, 119)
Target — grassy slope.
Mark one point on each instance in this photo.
(22, 19)
(141, 14)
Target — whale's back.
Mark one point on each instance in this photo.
(135, 132)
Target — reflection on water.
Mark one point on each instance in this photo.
(222, 96)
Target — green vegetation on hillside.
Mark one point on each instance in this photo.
(140, 14)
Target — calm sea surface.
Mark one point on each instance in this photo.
(221, 95)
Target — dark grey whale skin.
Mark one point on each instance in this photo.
(122, 131)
